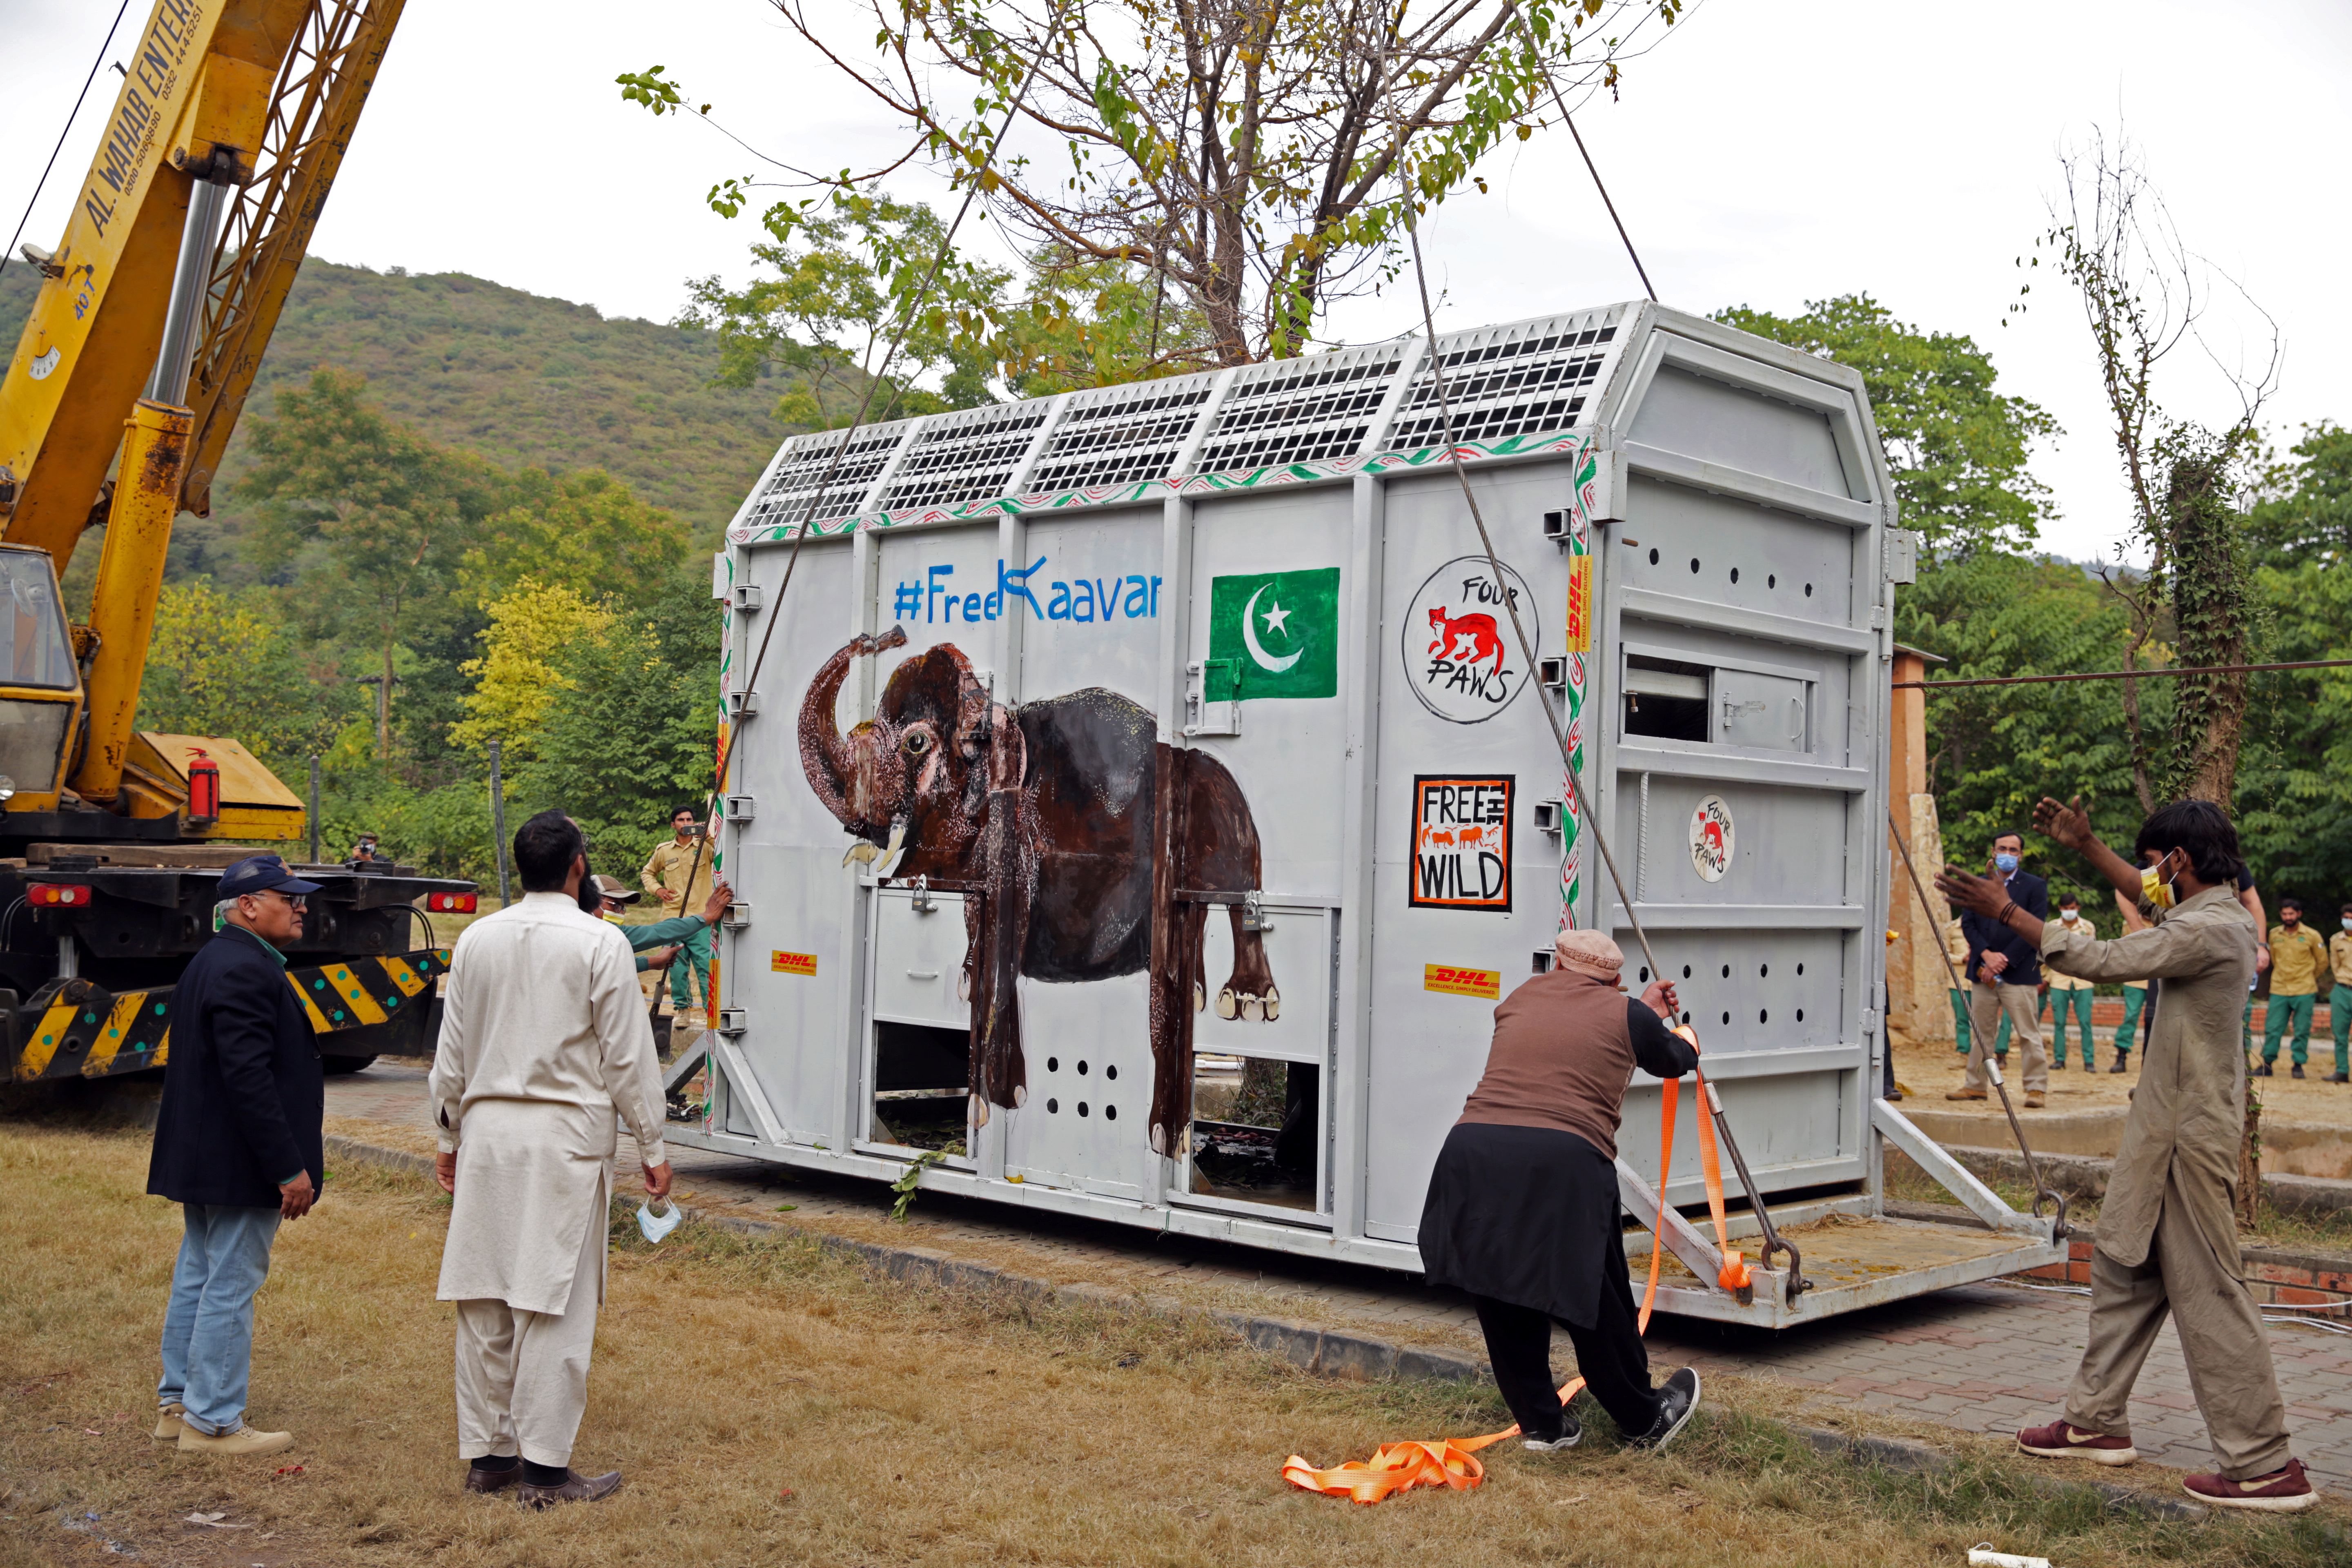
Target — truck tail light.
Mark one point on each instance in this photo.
(451, 903)
(204, 790)
(59, 895)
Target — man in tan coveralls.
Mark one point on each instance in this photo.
(2167, 1231)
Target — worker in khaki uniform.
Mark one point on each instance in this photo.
(2070, 995)
(2339, 1000)
(678, 873)
(543, 1038)
(2299, 966)
(2130, 1032)
(2167, 1231)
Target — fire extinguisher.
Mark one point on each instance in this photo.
(204, 792)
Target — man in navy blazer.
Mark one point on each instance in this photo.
(2004, 976)
(238, 1146)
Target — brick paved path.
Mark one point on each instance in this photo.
(1984, 1358)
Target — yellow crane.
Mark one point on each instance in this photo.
(150, 323)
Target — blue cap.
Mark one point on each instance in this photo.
(259, 874)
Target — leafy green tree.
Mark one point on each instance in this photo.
(1957, 448)
(586, 529)
(226, 663)
(839, 279)
(1258, 157)
(1994, 750)
(2304, 514)
(389, 513)
(638, 730)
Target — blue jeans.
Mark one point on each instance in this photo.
(208, 1327)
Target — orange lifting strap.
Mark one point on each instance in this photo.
(1450, 1462)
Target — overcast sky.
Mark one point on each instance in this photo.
(1763, 155)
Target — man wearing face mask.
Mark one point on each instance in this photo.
(2004, 975)
(2168, 1242)
(2068, 995)
(2298, 962)
(2339, 1000)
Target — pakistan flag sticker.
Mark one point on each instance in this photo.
(1280, 629)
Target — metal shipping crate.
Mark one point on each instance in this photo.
(1139, 796)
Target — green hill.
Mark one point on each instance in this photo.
(519, 378)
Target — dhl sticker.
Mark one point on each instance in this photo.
(1453, 981)
(792, 962)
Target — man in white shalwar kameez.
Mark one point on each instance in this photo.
(544, 1040)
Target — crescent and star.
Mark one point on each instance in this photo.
(1274, 618)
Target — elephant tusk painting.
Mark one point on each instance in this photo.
(1072, 828)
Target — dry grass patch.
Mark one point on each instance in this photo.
(773, 1402)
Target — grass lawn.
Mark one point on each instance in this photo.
(775, 1405)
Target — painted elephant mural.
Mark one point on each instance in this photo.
(1085, 849)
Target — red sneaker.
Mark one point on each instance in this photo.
(2060, 1440)
(2281, 1491)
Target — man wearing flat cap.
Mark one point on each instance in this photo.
(238, 1146)
(1522, 1207)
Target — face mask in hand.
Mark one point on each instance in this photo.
(657, 1226)
(2006, 862)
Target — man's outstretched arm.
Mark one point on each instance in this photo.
(2070, 825)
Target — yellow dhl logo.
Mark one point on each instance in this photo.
(792, 962)
(1456, 981)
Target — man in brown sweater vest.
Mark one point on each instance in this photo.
(1522, 1207)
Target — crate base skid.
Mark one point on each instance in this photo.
(1854, 1260)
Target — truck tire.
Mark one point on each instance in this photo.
(337, 1066)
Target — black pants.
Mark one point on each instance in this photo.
(1610, 1355)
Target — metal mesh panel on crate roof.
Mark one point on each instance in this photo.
(1120, 434)
(966, 456)
(1528, 378)
(1299, 410)
(785, 498)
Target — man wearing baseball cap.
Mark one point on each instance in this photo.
(238, 1146)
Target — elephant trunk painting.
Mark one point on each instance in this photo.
(1084, 847)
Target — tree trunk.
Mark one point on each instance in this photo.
(2250, 1161)
(2210, 598)
(383, 705)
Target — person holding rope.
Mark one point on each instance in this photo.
(679, 874)
(2167, 1241)
(1522, 1207)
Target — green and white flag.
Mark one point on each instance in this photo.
(1279, 630)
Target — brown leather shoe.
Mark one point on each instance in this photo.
(575, 1488)
(2032, 1099)
(1965, 1094)
(478, 1479)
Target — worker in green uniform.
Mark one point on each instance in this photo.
(2069, 995)
(656, 944)
(2298, 961)
(2339, 1000)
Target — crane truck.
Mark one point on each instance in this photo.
(141, 346)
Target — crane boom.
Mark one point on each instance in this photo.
(329, 72)
(242, 105)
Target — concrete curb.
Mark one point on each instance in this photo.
(2086, 1176)
(1325, 1352)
